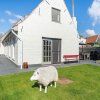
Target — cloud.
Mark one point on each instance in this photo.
(13, 14)
(94, 12)
(8, 12)
(12, 21)
(90, 32)
(18, 16)
(2, 20)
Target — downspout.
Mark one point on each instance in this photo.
(22, 46)
(72, 8)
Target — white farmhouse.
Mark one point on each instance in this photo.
(1, 47)
(44, 36)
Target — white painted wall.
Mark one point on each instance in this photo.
(37, 26)
(82, 40)
(1, 48)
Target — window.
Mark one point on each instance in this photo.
(47, 50)
(56, 15)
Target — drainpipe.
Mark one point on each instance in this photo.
(22, 46)
(72, 8)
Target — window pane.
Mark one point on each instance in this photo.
(44, 42)
(49, 58)
(49, 42)
(49, 53)
(44, 48)
(55, 15)
(45, 53)
(49, 48)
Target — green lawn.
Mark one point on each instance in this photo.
(85, 86)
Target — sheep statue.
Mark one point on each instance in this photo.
(45, 76)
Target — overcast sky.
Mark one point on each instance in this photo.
(86, 11)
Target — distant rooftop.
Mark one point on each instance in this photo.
(91, 39)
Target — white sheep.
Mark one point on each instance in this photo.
(45, 76)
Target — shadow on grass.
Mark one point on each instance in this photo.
(36, 84)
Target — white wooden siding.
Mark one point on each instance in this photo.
(39, 24)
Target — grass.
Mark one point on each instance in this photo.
(85, 86)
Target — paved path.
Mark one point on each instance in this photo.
(7, 67)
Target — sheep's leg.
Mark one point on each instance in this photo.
(40, 87)
(45, 89)
(55, 84)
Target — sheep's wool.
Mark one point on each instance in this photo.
(47, 75)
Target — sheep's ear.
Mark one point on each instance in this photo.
(38, 73)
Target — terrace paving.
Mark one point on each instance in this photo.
(7, 67)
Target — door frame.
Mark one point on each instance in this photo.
(51, 39)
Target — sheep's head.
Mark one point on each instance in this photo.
(35, 76)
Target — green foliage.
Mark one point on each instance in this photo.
(96, 45)
(85, 86)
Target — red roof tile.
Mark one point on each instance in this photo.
(91, 39)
